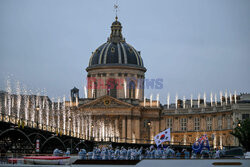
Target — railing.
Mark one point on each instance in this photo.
(189, 110)
(22, 123)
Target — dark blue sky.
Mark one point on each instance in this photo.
(196, 46)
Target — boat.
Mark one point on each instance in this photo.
(15, 160)
(47, 160)
(67, 161)
(165, 163)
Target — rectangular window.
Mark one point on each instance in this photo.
(228, 123)
(219, 122)
(209, 123)
(245, 116)
(183, 124)
(169, 123)
(196, 123)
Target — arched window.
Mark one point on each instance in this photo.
(111, 87)
(132, 89)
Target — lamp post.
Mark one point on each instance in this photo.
(92, 133)
(148, 127)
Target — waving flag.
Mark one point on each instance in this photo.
(162, 137)
(200, 143)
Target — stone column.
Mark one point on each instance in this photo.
(156, 127)
(123, 129)
(129, 129)
(163, 124)
(137, 129)
(117, 133)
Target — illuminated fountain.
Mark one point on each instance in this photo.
(74, 124)
(8, 89)
(33, 107)
(64, 114)
(211, 99)
(184, 102)
(157, 100)
(78, 124)
(82, 126)
(53, 112)
(19, 98)
(215, 99)
(226, 97)
(205, 99)
(26, 104)
(69, 120)
(230, 98)
(235, 97)
(77, 103)
(43, 102)
(221, 100)
(58, 112)
(40, 112)
(89, 126)
(47, 111)
(85, 92)
(168, 100)
(191, 101)
(199, 100)
(176, 101)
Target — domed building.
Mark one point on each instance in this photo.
(113, 109)
(116, 68)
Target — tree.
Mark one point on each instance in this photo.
(242, 132)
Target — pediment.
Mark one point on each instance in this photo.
(106, 102)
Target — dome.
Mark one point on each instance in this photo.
(116, 51)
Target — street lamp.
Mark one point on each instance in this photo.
(148, 127)
(149, 123)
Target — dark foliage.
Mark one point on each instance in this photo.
(242, 132)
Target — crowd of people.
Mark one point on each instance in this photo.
(122, 153)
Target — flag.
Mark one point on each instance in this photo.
(200, 144)
(162, 137)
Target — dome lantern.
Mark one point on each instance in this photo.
(116, 32)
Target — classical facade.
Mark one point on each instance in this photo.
(188, 124)
(115, 95)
